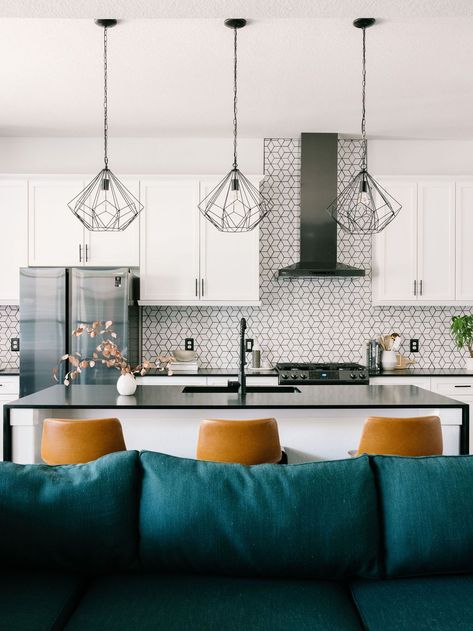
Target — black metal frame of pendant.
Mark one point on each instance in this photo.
(364, 206)
(105, 204)
(235, 204)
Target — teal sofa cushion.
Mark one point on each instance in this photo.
(37, 600)
(427, 506)
(71, 517)
(438, 603)
(204, 603)
(316, 520)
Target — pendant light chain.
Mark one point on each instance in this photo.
(363, 105)
(105, 98)
(235, 98)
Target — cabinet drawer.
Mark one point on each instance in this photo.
(9, 385)
(453, 386)
(171, 381)
(420, 382)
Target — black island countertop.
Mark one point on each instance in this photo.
(160, 397)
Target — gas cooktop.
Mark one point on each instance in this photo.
(314, 373)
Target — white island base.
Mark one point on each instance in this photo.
(306, 434)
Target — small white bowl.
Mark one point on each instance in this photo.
(184, 356)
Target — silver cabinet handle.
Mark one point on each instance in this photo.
(196, 287)
(80, 253)
(203, 288)
(421, 286)
(86, 253)
(415, 288)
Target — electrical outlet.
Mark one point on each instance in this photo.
(413, 345)
(189, 343)
(15, 344)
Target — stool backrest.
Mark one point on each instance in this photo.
(417, 436)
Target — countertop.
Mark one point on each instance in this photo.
(213, 372)
(9, 371)
(425, 372)
(328, 397)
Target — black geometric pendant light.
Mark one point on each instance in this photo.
(235, 205)
(105, 205)
(364, 206)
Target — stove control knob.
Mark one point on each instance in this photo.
(294, 376)
(362, 376)
(352, 376)
(283, 376)
(303, 376)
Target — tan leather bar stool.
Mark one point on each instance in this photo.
(244, 442)
(67, 441)
(417, 436)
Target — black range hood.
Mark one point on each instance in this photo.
(318, 229)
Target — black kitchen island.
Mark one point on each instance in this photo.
(315, 422)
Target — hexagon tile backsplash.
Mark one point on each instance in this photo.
(300, 319)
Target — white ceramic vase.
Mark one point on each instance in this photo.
(126, 384)
(469, 363)
(389, 360)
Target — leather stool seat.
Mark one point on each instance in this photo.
(73, 441)
(246, 442)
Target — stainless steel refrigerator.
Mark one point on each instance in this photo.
(54, 301)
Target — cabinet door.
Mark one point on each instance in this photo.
(464, 241)
(13, 238)
(229, 262)
(115, 249)
(56, 236)
(436, 241)
(394, 249)
(169, 255)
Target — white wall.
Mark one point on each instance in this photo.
(129, 155)
(420, 157)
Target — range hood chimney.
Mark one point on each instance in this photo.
(318, 229)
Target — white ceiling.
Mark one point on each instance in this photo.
(172, 76)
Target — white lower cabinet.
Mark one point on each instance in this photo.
(420, 382)
(189, 380)
(9, 391)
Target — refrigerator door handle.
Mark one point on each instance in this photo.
(86, 253)
(80, 252)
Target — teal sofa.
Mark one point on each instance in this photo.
(146, 541)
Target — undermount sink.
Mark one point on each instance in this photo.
(231, 389)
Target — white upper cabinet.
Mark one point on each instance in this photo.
(115, 249)
(395, 248)
(464, 241)
(13, 238)
(184, 259)
(169, 266)
(229, 262)
(423, 257)
(56, 236)
(436, 241)
(58, 239)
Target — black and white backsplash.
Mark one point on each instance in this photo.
(301, 319)
(308, 320)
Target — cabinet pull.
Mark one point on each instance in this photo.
(196, 287)
(420, 286)
(86, 253)
(415, 288)
(203, 288)
(80, 253)
(462, 386)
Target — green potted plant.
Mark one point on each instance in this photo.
(462, 331)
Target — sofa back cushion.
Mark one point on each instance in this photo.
(81, 518)
(427, 506)
(306, 520)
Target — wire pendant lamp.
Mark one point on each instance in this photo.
(364, 206)
(105, 204)
(235, 205)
